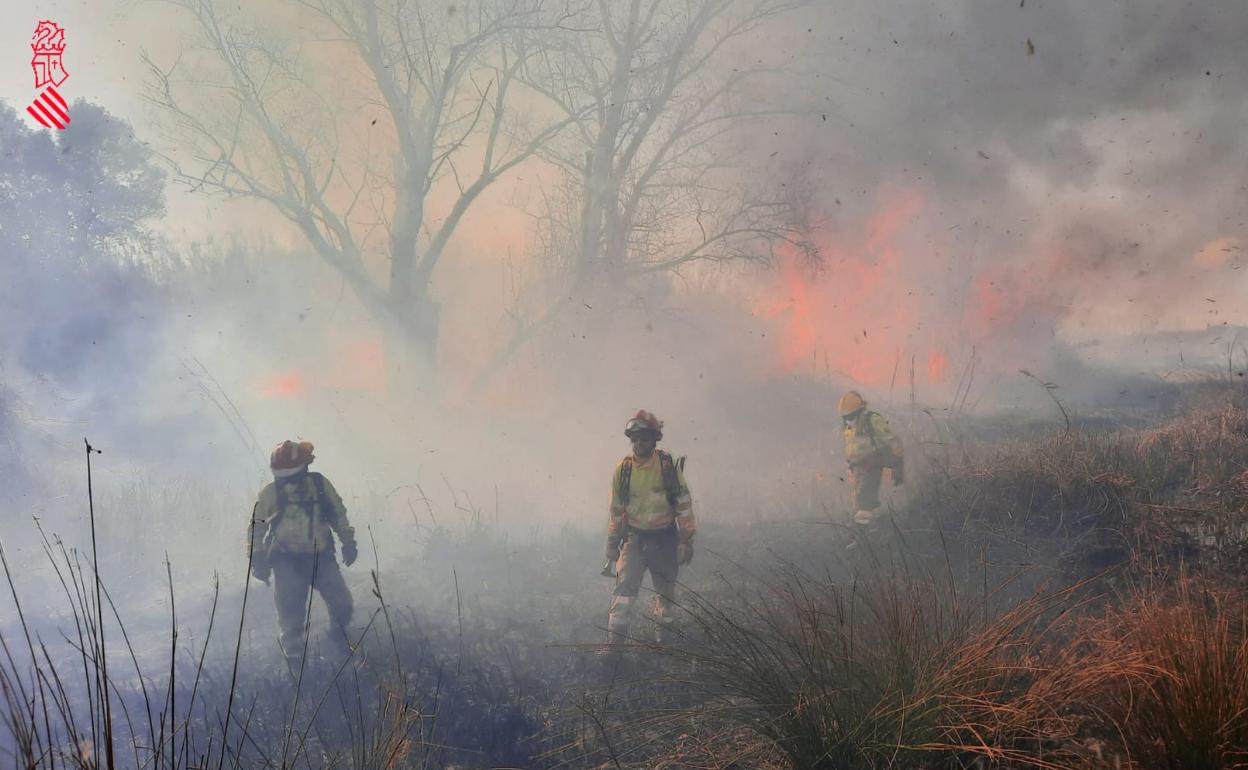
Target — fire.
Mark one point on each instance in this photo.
(1216, 254)
(1013, 310)
(858, 318)
(288, 384)
(359, 366)
(937, 367)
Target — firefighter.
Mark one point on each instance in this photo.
(291, 540)
(870, 447)
(650, 528)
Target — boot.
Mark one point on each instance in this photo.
(618, 620)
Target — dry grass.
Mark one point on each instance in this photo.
(1188, 707)
(900, 667)
(1161, 495)
(897, 672)
(91, 705)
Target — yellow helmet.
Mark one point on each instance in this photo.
(851, 402)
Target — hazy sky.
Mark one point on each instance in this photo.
(1014, 178)
(104, 41)
(1001, 176)
(1094, 146)
(1029, 182)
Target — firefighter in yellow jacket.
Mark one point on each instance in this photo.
(292, 532)
(650, 528)
(870, 447)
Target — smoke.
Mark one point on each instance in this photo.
(1052, 173)
(991, 187)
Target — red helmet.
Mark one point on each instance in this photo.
(644, 421)
(289, 458)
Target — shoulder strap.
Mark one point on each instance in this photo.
(319, 481)
(279, 493)
(279, 500)
(868, 419)
(671, 483)
(623, 490)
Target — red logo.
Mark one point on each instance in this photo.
(48, 44)
(50, 109)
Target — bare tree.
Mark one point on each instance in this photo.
(252, 113)
(658, 96)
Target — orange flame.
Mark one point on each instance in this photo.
(358, 365)
(1013, 309)
(937, 367)
(856, 316)
(288, 384)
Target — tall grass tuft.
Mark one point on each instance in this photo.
(897, 671)
(1151, 496)
(351, 713)
(1188, 707)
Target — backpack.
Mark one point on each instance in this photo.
(891, 457)
(671, 480)
(309, 506)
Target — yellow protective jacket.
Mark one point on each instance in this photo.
(645, 504)
(297, 515)
(870, 441)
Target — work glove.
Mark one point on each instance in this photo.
(349, 552)
(261, 571)
(684, 552)
(613, 550)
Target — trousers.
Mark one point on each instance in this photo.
(645, 551)
(295, 575)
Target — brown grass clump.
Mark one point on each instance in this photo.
(730, 749)
(1188, 707)
(1163, 495)
(898, 672)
